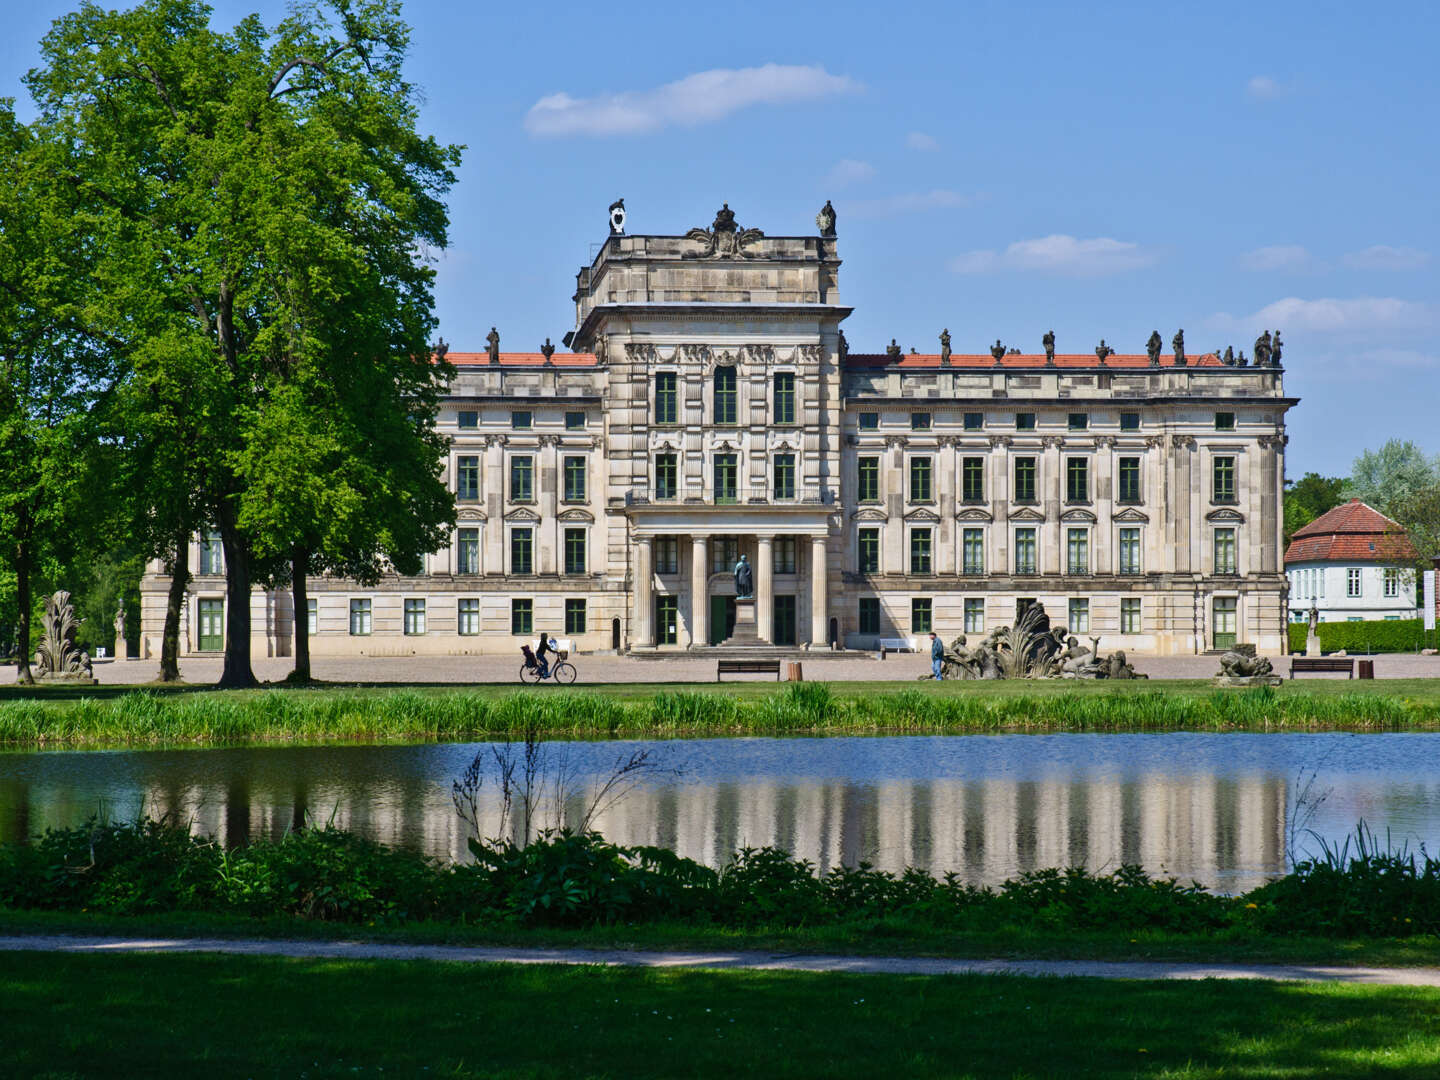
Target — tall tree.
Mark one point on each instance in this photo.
(1385, 477)
(1308, 498)
(232, 177)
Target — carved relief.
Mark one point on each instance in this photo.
(725, 239)
(997, 441)
(1131, 516)
(469, 513)
(576, 515)
(892, 441)
(642, 353)
(1104, 442)
(869, 513)
(496, 440)
(1226, 515)
(522, 514)
(922, 515)
(974, 513)
(1026, 513)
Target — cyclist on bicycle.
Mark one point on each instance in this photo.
(547, 644)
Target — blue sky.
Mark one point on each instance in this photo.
(999, 169)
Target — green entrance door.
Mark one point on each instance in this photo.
(722, 618)
(784, 620)
(1224, 622)
(212, 625)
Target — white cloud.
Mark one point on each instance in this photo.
(696, 99)
(1264, 87)
(918, 140)
(1333, 316)
(910, 202)
(850, 171)
(1383, 257)
(1277, 257)
(1058, 254)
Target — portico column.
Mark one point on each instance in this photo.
(819, 573)
(764, 589)
(644, 595)
(699, 602)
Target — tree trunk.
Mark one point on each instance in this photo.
(23, 674)
(236, 673)
(299, 561)
(174, 608)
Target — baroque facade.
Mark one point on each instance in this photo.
(710, 409)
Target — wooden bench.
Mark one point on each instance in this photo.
(1322, 663)
(889, 645)
(750, 667)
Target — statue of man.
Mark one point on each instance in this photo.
(1262, 349)
(844, 346)
(825, 220)
(744, 578)
(1178, 341)
(1275, 350)
(945, 346)
(1153, 347)
(492, 343)
(1229, 360)
(1048, 341)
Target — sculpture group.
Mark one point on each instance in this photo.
(58, 656)
(1033, 649)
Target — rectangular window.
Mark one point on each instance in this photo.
(726, 476)
(467, 551)
(868, 479)
(1392, 583)
(212, 553)
(972, 551)
(1025, 479)
(1024, 421)
(1078, 421)
(467, 478)
(574, 617)
(724, 554)
(1223, 610)
(574, 479)
(521, 421)
(972, 479)
(1024, 551)
(1129, 421)
(869, 544)
(1225, 551)
(869, 421)
(727, 407)
(1224, 421)
(522, 551)
(1077, 551)
(574, 421)
(1079, 620)
(1077, 479)
(1129, 551)
(974, 421)
(312, 616)
(667, 398)
(975, 615)
(667, 620)
(1129, 615)
(522, 478)
(920, 551)
(920, 479)
(1352, 581)
(360, 617)
(784, 397)
(211, 615)
(522, 616)
(414, 618)
(1224, 480)
(919, 421)
(869, 615)
(784, 469)
(667, 555)
(667, 476)
(575, 551)
(1129, 479)
(467, 419)
(469, 616)
(920, 615)
(785, 555)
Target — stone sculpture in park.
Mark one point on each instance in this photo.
(1032, 649)
(1237, 669)
(58, 657)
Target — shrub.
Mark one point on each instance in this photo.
(1367, 636)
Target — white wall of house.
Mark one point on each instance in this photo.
(1351, 591)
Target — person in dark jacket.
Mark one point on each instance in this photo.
(540, 652)
(937, 654)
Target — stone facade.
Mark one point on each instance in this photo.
(711, 408)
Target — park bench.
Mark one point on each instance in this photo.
(901, 644)
(751, 667)
(1322, 663)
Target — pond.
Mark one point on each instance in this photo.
(1209, 807)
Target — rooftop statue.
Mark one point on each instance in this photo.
(492, 345)
(617, 218)
(1275, 350)
(1048, 341)
(1102, 351)
(892, 350)
(547, 350)
(1262, 350)
(725, 238)
(1153, 347)
(945, 346)
(1178, 341)
(825, 219)
(997, 351)
(1229, 358)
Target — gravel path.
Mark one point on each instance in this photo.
(731, 961)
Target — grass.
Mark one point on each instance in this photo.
(151, 717)
(122, 1015)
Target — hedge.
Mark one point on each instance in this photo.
(1369, 636)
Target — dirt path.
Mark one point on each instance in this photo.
(738, 961)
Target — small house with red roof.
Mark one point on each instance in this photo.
(1352, 563)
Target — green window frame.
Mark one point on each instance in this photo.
(574, 421)
(1077, 421)
(869, 615)
(667, 555)
(1129, 421)
(867, 479)
(312, 615)
(974, 421)
(1129, 551)
(974, 615)
(210, 625)
(868, 543)
(575, 551)
(1130, 615)
(921, 620)
(1078, 621)
(1025, 479)
(783, 469)
(1223, 610)
(414, 625)
(972, 551)
(1224, 421)
(574, 469)
(467, 419)
(667, 620)
(1391, 586)
(920, 421)
(727, 472)
(522, 616)
(1077, 551)
(522, 420)
(1129, 480)
(1024, 421)
(667, 476)
(868, 421)
(522, 550)
(784, 397)
(921, 489)
(522, 478)
(1223, 479)
(727, 396)
(467, 551)
(212, 553)
(1077, 480)
(468, 616)
(785, 555)
(1225, 561)
(467, 478)
(972, 479)
(920, 551)
(574, 616)
(667, 397)
(361, 616)
(1025, 551)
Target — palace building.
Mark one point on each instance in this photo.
(711, 408)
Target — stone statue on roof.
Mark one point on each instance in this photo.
(844, 346)
(1178, 341)
(1275, 350)
(997, 351)
(1229, 358)
(1262, 350)
(1153, 347)
(892, 350)
(492, 345)
(825, 219)
(1049, 342)
(617, 218)
(945, 346)
(1102, 351)
(547, 350)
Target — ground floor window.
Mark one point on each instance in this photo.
(212, 626)
(1079, 620)
(920, 622)
(574, 617)
(1392, 582)
(414, 617)
(522, 616)
(312, 616)
(360, 617)
(869, 615)
(784, 629)
(1352, 581)
(1224, 622)
(1130, 615)
(667, 555)
(667, 620)
(469, 616)
(975, 615)
(724, 554)
(785, 555)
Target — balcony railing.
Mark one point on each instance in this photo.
(729, 496)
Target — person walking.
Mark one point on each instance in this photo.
(937, 654)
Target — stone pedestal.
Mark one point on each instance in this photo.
(745, 632)
(1312, 644)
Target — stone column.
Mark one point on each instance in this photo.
(699, 599)
(819, 607)
(644, 594)
(764, 588)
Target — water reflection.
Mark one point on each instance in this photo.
(1208, 807)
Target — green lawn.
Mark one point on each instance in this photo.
(220, 1017)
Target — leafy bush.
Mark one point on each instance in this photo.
(1368, 636)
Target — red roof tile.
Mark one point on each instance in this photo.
(1350, 532)
(472, 359)
(1021, 360)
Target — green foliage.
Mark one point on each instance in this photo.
(1383, 478)
(1369, 636)
(1308, 498)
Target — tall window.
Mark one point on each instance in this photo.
(1077, 479)
(312, 615)
(667, 404)
(1024, 551)
(414, 617)
(1223, 611)
(522, 616)
(1352, 581)
(522, 478)
(211, 615)
(667, 620)
(1225, 551)
(1224, 480)
(1129, 421)
(667, 555)
(1079, 620)
(725, 478)
(212, 553)
(1025, 479)
(974, 421)
(467, 478)
(1129, 615)
(975, 615)
(869, 615)
(575, 551)
(784, 397)
(1392, 582)
(360, 617)
(1129, 480)
(726, 404)
(919, 421)
(972, 551)
(667, 476)
(784, 469)
(785, 555)
(1129, 551)
(868, 479)
(920, 551)
(522, 551)
(469, 616)
(724, 554)
(467, 419)
(869, 543)
(467, 551)
(920, 490)
(1077, 551)
(920, 622)
(574, 479)
(574, 616)
(972, 479)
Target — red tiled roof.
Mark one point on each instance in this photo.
(523, 359)
(1021, 360)
(1350, 532)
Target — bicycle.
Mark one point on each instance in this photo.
(561, 671)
